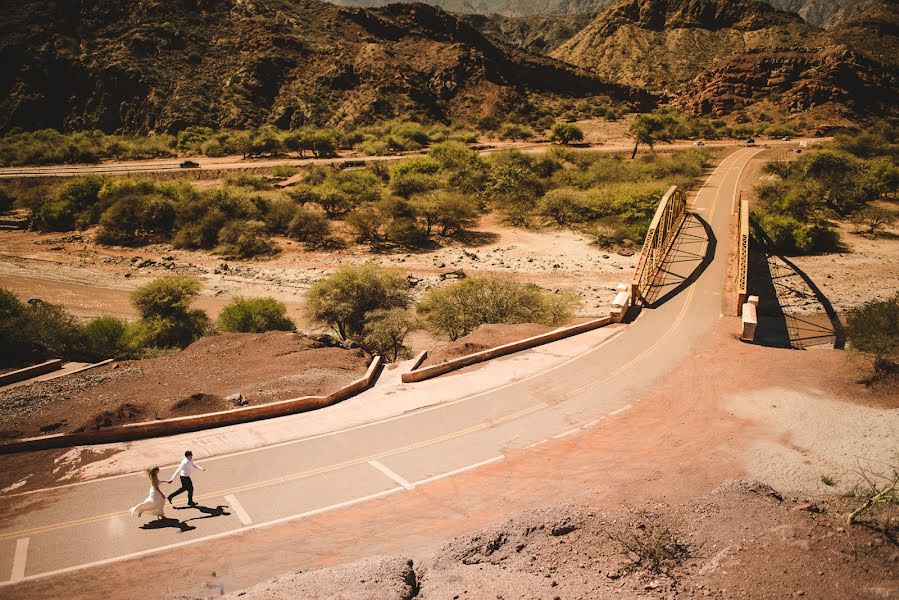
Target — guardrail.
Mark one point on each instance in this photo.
(162, 427)
(742, 255)
(29, 372)
(660, 237)
(420, 374)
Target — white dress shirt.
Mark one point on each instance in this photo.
(186, 467)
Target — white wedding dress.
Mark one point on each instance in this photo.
(154, 504)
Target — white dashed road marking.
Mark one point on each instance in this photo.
(238, 509)
(19, 558)
(395, 476)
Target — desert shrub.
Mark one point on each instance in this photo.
(873, 219)
(410, 184)
(245, 239)
(461, 307)
(279, 214)
(563, 205)
(60, 209)
(450, 212)
(105, 337)
(784, 234)
(566, 133)
(34, 331)
(873, 329)
(514, 187)
(167, 321)
(254, 315)
(245, 180)
(309, 226)
(366, 222)
(406, 231)
(515, 131)
(385, 331)
(135, 220)
(303, 194)
(343, 299)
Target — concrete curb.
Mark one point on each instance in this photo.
(164, 427)
(29, 372)
(417, 374)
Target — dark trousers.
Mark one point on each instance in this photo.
(186, 486)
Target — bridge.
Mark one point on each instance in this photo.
(58, 538)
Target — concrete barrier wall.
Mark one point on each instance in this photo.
(29, 372)
(163, 427)
(483, 355)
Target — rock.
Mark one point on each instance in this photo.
(237, 400)
(809, 507)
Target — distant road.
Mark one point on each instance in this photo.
(237, 162)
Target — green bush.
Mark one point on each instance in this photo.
(167, 321)
(385, 333)
(279, 215)
(406, 231)
(366, 222)
(309, 226)
(343, 299)
(245, 239)
(873, 329)
(562, 205)
(255, 315)
(460, 308)
(105, 337)
(566, 133)
(35, 331)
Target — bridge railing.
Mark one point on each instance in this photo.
(742, 254)
(660, 237)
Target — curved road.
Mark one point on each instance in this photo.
(84, 525)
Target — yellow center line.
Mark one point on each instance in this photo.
(295, 476)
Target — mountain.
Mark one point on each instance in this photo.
(506, 8)
(829, 13)
(820, 13)
(540, 34)
(143, 65)
(665, 43)
(797, 79)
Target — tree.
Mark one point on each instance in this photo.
(309, 226)
(873, 329)
(461, 307)
(367, 223)
(562, 205)
(167, 321)
(648, 129)
(385, 332)
(255, 315)
(874, 219)
(343, 299)
(566, 133)
(245, 239)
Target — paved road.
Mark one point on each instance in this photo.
(87, 524)
(236, 162)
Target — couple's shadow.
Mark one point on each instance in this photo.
(184, 526)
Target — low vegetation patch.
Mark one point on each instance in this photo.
(800, 200)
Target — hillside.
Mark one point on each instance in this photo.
(139, 66)
(798, 78)
(540, 34)
(662, 44)
(820, 13)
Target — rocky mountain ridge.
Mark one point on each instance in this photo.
(820, 13)
(139, 66)
(663, 44)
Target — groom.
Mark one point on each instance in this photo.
(184, 470)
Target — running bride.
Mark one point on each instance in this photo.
(155, 502)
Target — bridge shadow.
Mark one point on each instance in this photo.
(793, 312)
(688, 258)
